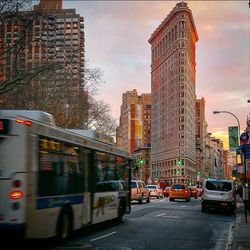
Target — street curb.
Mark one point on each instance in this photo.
(235, 227)
(239, 241)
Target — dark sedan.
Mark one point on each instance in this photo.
(194, 191)
(166, 191)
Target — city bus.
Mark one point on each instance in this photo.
(54, 181)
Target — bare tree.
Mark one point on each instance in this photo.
(100, 118)
(93, 79)
(36, 75)
(14, 5)
(17, 39)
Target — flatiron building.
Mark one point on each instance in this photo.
(173, 69)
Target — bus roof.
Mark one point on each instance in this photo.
(36, 115)
(94, 135)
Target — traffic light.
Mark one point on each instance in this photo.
(142, 162)
(180, 162)
(233, 178)
(178, 172)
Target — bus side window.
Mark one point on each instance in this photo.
(72, 177)
(48, 174)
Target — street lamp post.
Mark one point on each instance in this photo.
(218, 112)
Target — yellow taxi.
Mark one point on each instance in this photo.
(179, 191)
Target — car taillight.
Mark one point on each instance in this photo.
(16, 195)
(138, 190)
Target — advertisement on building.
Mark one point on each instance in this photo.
(138, 125)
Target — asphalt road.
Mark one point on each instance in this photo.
(159, 225)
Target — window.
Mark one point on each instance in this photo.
(61, 168)
(178, 187)
(218, 186)
(110, 172)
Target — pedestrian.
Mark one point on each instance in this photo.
(240, 191)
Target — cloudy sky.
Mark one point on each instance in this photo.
(117, 33)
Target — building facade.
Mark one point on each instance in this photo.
(200, 125)
(141, 164)
(230, 166)
(218, 167)
(173, 68)
(134, 129)
(46, 35)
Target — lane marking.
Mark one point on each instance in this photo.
(171, 217)
(106, 235)
(158, 215)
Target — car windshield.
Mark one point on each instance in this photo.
(151, 186)
(219, 185)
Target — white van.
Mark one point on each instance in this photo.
(218, 194)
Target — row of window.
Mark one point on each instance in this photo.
(177, 32)
(67, 19)
(65, 168)
(168, 173)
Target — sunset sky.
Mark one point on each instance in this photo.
(117, 33)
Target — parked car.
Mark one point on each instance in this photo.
(155, 191)
(166, 191)
(194, 191)
(179, 191)
(218, 194)
(139, 191)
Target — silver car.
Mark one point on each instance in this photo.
(155, 191)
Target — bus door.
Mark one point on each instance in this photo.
(85, 165)
(105, 198)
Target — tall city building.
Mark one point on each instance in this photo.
(230, 164)
(173, 69)
(50, 4)
(200, 125)
(218, 164)
(38, 38)
(134, 129)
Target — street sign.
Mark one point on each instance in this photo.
(247, 155)
(244, 138)
(233, 137)
(245, 148)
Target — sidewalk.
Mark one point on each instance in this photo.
(241, 235)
